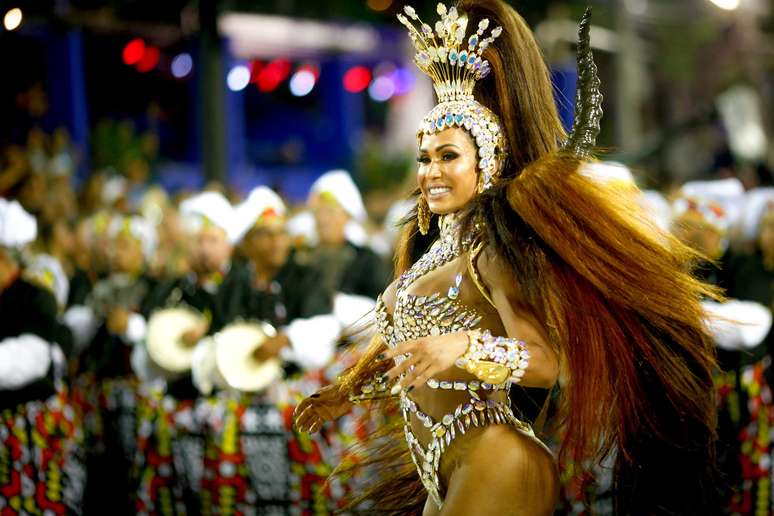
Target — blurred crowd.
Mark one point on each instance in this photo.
(117, 300)
(135, 293)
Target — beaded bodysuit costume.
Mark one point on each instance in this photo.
(419, 316)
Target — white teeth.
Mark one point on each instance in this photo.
(436, 190)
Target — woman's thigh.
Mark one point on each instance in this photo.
(500, 472)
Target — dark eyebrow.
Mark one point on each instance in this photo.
(441, 147)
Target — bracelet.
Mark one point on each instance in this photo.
(373, 389)
(494, 359)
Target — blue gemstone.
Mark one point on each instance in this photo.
(439, 123)
(449, 119)
(463, 57)
(453, 56)
(473, 41)
(472, 59)
(458, 119)
(453, 293)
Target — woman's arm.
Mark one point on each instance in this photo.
(519, 323)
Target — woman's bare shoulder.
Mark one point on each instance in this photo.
(495, 272)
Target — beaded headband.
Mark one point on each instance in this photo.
(454, 69)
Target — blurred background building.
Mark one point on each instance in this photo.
(275, 92)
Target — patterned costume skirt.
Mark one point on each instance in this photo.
(745, 452)
(255, 462)
(746, 415)
(41, 457)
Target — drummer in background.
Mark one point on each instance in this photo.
(115, 304)
(284, 292)
(170, 465)
(254, 461)
(704, 220)
(346, 266)
(41, 469)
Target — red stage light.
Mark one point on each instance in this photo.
(150, 58)
(273, 75)
(133, 51)
(255, 70)
(356, 79)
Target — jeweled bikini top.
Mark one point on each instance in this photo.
(419, 316)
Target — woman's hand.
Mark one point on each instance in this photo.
(429, 355)
(326, 404)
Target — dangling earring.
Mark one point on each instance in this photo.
(480, 187)
(423, 214)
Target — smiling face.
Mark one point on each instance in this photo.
(447, 173)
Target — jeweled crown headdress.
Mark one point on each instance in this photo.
(455, 64)
(442, 55)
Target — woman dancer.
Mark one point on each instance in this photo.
(539, 275)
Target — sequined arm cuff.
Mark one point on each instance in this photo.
(494, 359)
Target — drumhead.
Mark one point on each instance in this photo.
(164, 339)
(234, 348)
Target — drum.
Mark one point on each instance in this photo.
(234, 361)
(164, 339)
